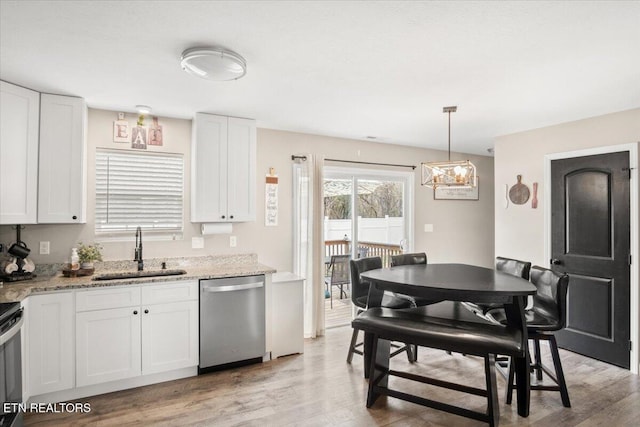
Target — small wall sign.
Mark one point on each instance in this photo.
(452, 193)
(139, 138)
(271, 201)
(121, 129)
(155, 133)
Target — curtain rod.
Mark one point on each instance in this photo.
(357, 162)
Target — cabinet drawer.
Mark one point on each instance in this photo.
(170, 292)
(100, 299)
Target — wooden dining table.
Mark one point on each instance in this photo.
(459, 282)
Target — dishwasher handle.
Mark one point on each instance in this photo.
(231, 288)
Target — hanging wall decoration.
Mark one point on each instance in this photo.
(519, 193)
(139, 135)
(155, 133)
(121, 129)
(271, 199)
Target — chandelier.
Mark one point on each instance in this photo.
(460, 174)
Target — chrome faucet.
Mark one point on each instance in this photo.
(138, 251)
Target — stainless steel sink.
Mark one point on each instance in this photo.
(137, 274)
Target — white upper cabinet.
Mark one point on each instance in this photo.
(241, 164)
(223, 169)
(19, 121)
(62, 172)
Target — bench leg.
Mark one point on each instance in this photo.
(493, 408)
(378, 369)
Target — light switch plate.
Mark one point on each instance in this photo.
(428, 228)
(197, 242)
(45, 248)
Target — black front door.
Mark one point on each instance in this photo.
(590, 242)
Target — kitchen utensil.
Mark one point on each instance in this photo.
(9, 266)
(534, 199)
(506, 196)
(20, 250)
(519, 193)
(29, 266)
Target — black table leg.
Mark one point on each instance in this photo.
(515, 318)
(374, 299)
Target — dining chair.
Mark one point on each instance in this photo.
(416, 258)
(339, 277)
(409, 259)
(413, 259)
(510, 266)
(359, 297)
(547, 315)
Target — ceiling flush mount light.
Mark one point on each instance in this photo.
(143, 109)
(213, 63)
(461, 174)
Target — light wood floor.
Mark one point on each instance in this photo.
(319, 388)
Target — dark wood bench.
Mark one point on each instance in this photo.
(447, 326)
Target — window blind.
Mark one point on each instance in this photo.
(138, 190)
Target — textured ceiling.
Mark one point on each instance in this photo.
(347, 69)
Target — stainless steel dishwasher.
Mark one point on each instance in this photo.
(232, 321)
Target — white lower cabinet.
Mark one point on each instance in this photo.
(169, 336)
(107, 345)
(288, 314)
(50, 336)
(131, 335)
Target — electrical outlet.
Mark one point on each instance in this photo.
(197, 242)
(233, 241)
(44, 248)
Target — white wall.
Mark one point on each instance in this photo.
(471, 221)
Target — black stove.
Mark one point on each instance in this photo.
(7, 309)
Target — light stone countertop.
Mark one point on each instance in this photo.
(208, 267)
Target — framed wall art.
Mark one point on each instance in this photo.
(452, 193)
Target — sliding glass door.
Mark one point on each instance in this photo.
(367, 212)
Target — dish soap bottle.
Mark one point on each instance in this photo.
(75, 260)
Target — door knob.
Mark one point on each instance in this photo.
(555, 261)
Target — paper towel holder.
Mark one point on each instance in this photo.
(216, 228)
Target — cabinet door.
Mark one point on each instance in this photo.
(169, 336)
(241, 195)
(209, 169)
(50, 343)
(19, 123)
(107, 345)
(62, 174)
(288, 317)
